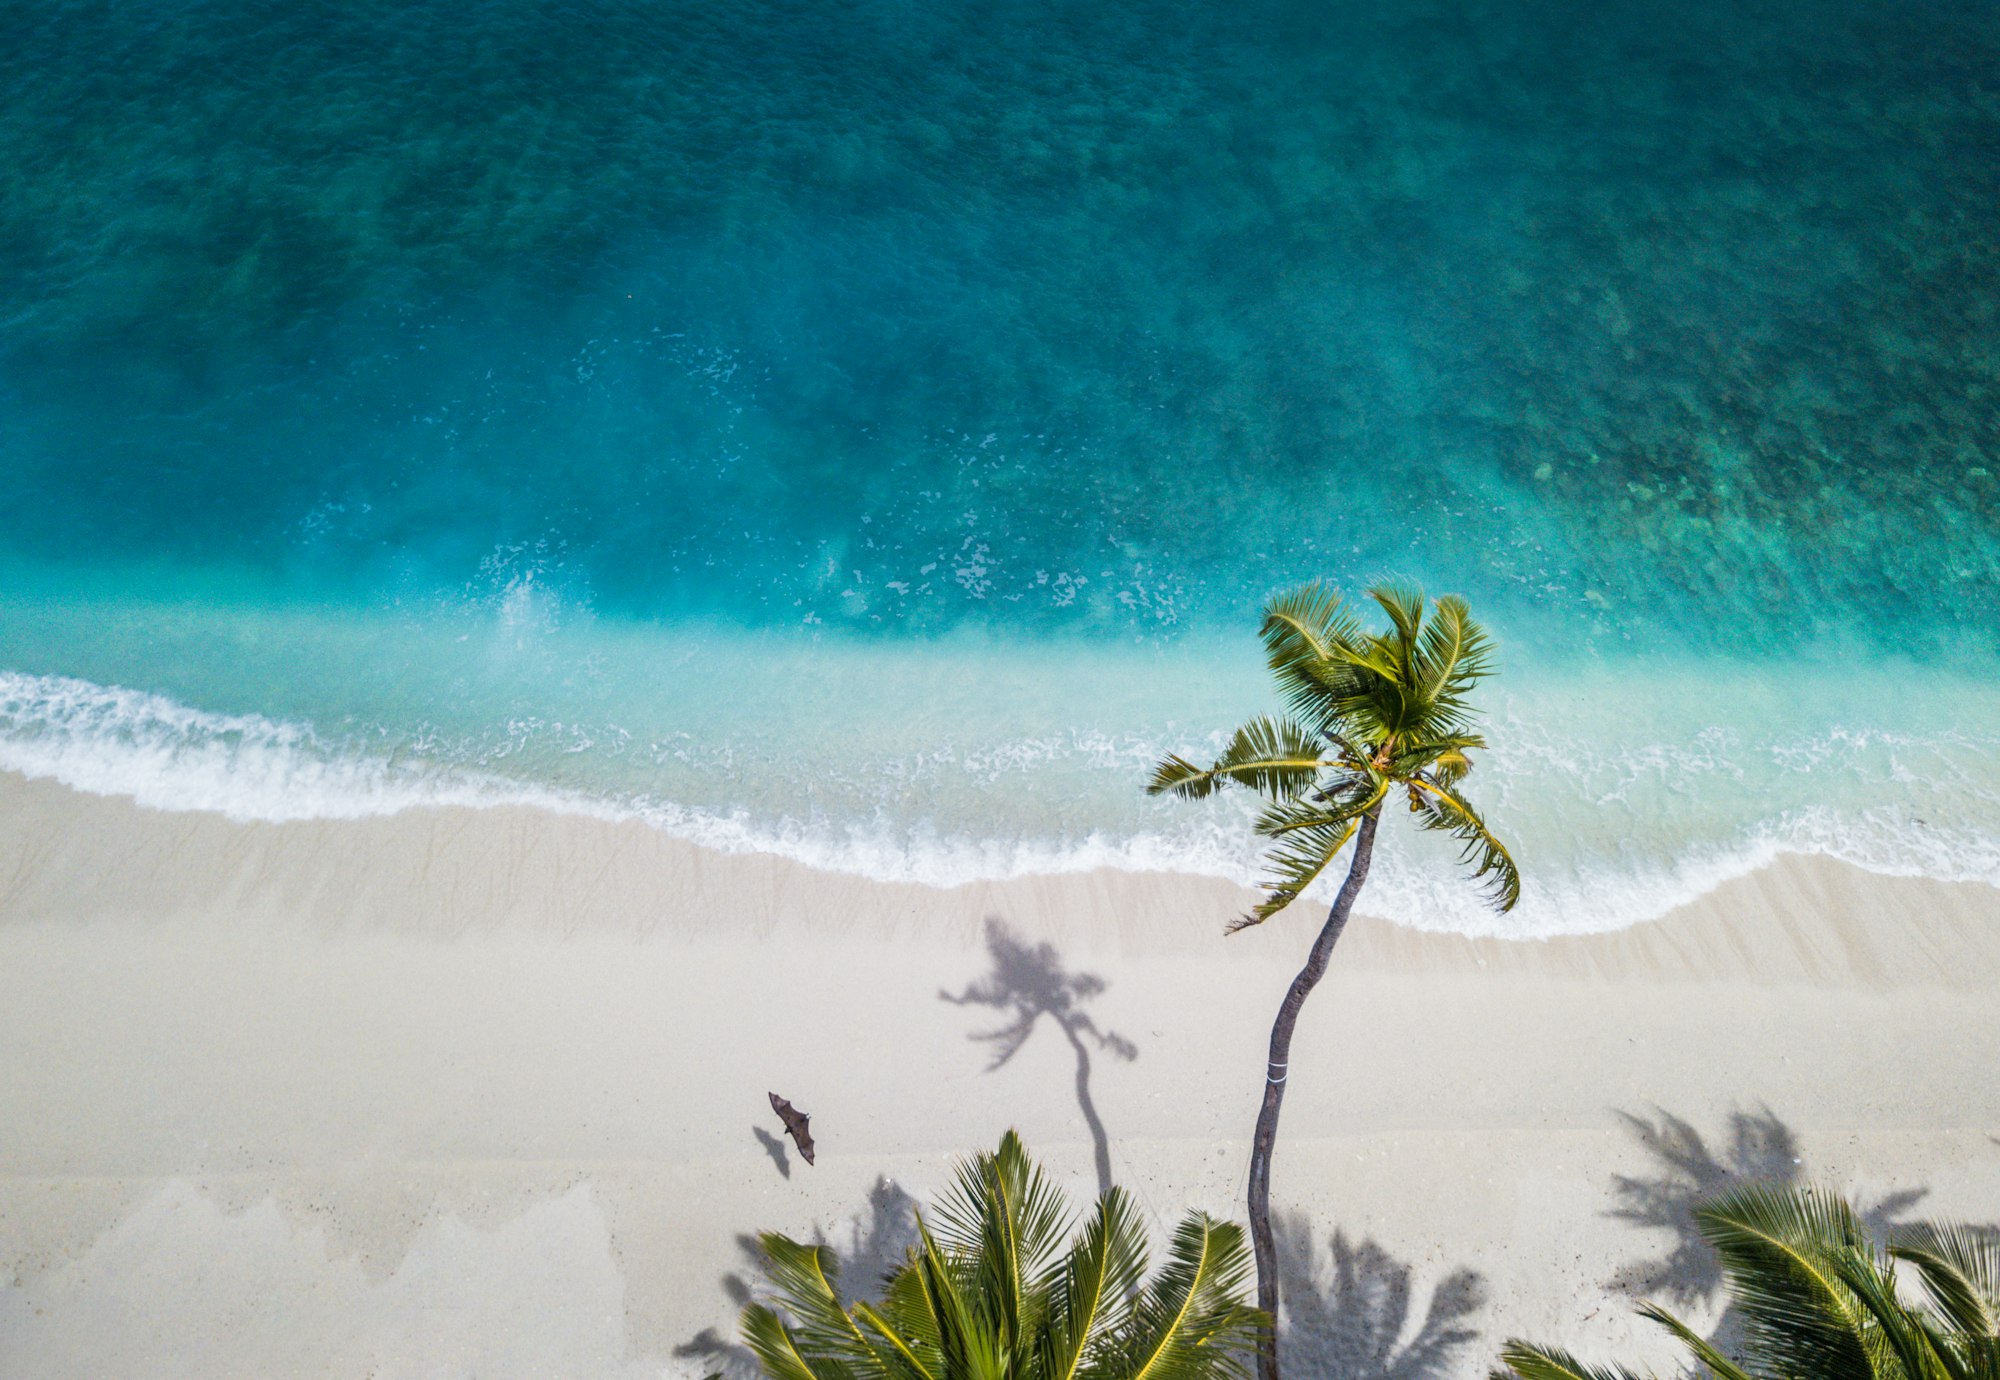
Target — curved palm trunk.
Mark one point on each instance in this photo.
(1274, 1087)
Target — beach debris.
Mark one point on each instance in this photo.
(797, 1125)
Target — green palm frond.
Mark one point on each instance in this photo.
(1293, 867)
(1365, 708)
(1091, 1290)
(910, 1335)
(1347, 755)
(1525, 1362)
(780, 1355)
(1301, 631)
(1719, 1365)
(1453, 654)
(1440, 807)
(1191, 1323)
(1405, 607)
(1960, 1270)
(1441, 755)
(1182, 777)
(1818, 1302)
(1450, 768)
(1354, 785)
(967, 1321)
(1779, 1249)
(1377, 663)
(803, 1278)
(950, 1314)
(1348, 801)
(1309, 836)
(1002, 1213)
(1920, 1352)
(1276, 757)
(1305, 625)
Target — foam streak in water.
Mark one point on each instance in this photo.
(166, 755)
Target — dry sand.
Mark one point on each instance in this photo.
(463, 1093)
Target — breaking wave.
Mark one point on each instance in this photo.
(1573, 812)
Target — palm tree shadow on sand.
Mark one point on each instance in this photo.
(1027, 984)
(878, 1240)
(1350, 1314)
(1754, 1148)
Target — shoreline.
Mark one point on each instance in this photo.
(894, 814)
(454, 871)
(479, 1090)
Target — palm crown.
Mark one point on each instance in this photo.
(986, 1294)
(1371, 713)
(1820, 1301)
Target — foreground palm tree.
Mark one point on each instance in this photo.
(1819, 1302)
(986, 1294)
(1372, 714)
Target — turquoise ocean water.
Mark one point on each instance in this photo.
(866, 430)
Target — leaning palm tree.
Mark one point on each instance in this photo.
(987, 1294)
(1819, 1301)
(1372, 715)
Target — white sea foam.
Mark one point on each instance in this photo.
(106, 740)
(167, 755)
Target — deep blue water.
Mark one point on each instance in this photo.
(445, 381)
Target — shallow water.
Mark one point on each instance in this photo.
(869, 431)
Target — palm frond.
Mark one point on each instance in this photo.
(1413, 755)
(1380, 663)
(1306, 848)
(803, 1277)
(1440, 807)
(1304, 624)
(1526, 1362)
(780, 1354)
(907, 1323)
(1346, 802)
(1092, 1287)
(1704, 1351)
(948, 1313)
(1186, 780)
(900, 1356)
(1960, 1270)
(1003, 1215)
(1453, 654)
(1920, 1351)
(1817, 1300)
(1405, 607)
(963, 1324)
(1450, 768)
(1278, 758)
(1302, 629)
(1189, 1324)
(1347, 754)
(1778, 1249)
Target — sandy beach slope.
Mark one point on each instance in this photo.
(483, 1093)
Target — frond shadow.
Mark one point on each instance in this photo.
(1027, 984)
(1351, 1314)
(1755, 1147)
(877, 1241)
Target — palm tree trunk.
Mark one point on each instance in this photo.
(1274, 1087)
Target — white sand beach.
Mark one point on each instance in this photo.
(458, 1093)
